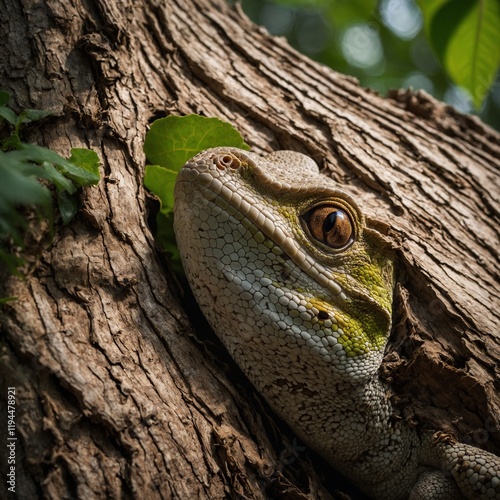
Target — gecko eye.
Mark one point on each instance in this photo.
(330, 225)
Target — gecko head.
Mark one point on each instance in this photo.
(283, 265)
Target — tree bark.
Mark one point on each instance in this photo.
(116, 394)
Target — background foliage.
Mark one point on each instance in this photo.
(390, 44)
(32, 178)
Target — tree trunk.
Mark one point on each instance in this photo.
(115, 394)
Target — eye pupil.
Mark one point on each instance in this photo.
(331, 225)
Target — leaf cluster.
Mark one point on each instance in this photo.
(29, 174)
(169, 144)
(466, 37)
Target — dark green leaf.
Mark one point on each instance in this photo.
(12, 224)
(68, 206)
(165, 237)
(429, 9)
(8, 114)
(11, 142)
(38, 154)
(3, 300)
(21, 167)
(58, 179)
(31, 115)
(19, 184)
(11, 262)
(4, 97)
(466, 36)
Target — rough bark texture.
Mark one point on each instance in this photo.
(116, 395)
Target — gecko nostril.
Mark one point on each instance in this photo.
(323, 315)
(227, 160)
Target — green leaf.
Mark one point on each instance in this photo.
(4, 97)
(12, 225)
(12, 263)
(429, 9)
(86, 159)
(68, 206)
(11, 142)
(79, 175)
(21, 167)
(3, 300)
(58, 179)
(19, 184)
(170, 143)
(160, 181)
(8, 114)
(173, 140)
(466, 36)
(165, 237)
(31, 115)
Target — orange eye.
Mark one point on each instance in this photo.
(330, 225)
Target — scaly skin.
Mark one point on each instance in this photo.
(300, 292)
